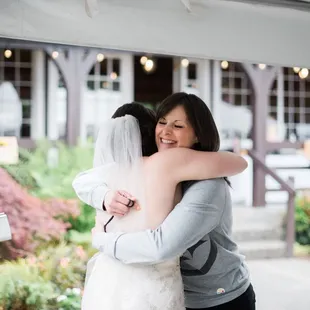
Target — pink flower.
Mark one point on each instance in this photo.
(64, 262)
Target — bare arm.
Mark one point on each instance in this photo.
(185, 164)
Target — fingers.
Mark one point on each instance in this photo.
(122, 200)
(118, 202)
(127, 195)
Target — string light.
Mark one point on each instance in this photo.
(143, 60)
(8, 53)
(184, 62)
(303, 73)
(55, 54)
(149, 65)
(100, 57)
(224, 64)
(262, 66)
(113, 75)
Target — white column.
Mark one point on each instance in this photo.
(183, 79)
(52, 126)
(204, 85)
(38, 95)
(280, 105)
(217, 92)
(127, 77)
(176, 78)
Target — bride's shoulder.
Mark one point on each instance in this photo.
(172, 155)
(167, 158)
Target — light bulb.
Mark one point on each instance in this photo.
(100, 57)
(143, 60)
(149, 65)
(303, 73)
(8, 53)
(55, 54)
(262, 66)
(184, 62)
(224, 64)
(113, 75)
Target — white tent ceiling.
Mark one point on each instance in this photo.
(273, 32)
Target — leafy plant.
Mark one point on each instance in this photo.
(52, 279)
(69, 300)
(64, 265)
(302, 218)
(22, 287)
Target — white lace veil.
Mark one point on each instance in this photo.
(118, 141)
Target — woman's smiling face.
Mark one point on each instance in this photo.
(174, 130)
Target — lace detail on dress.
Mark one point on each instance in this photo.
(116, 286)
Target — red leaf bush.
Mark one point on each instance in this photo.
(32, 220)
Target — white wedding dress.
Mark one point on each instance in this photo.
(116, 286)
(110, 284)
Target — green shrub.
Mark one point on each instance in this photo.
(22, 287)
(52, 280)
(63, 265)
(69, 300)
(302, 218)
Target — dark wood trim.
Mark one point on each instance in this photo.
(272, 146)
(261, 81)
(26, 143)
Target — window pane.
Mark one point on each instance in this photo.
(192, 71)
(25, 74)
(91, 85)
(104, 68)
(116, 66)
(116, 86)
(9, 74)
(26, 111)
(105, 85)
(25, 56)
(92, 71)
(25, 130)
(25, 93)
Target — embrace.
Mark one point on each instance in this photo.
(164, 213)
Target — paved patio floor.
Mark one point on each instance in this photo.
(281, 284)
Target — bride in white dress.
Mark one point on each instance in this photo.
(155, 182)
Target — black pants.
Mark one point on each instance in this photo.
(244, 302)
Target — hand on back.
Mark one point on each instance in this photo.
(119, 202)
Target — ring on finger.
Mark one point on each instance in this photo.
(130, 203)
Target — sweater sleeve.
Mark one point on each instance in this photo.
(196, 215)
(90, 185)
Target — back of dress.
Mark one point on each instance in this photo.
(131, 180)
(112, 285)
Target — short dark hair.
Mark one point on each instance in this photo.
(147, 124)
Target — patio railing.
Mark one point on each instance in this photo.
(287, 186)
